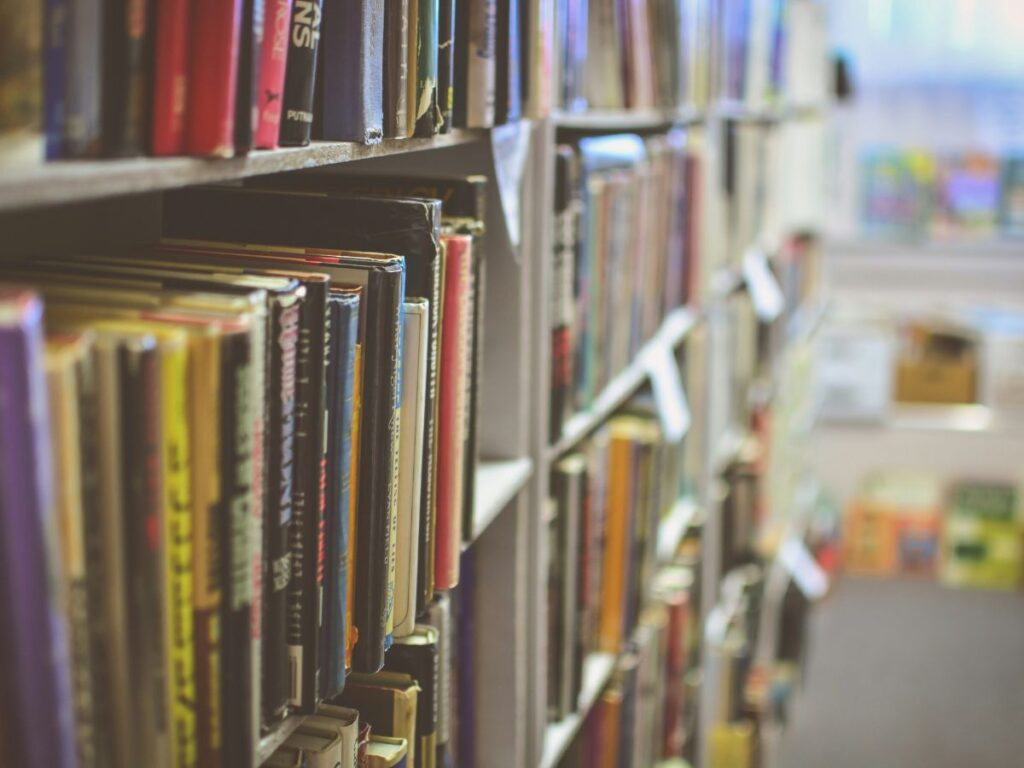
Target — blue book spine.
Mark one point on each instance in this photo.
(55, 73)
(83, 96)
(341, 385)
(352, 73)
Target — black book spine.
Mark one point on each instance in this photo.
(421, 662)
(306, 507)
(281, 399)
(126, 46)
(246, 98)
(502, 60)
(446, 62)
(300, 74)
(140, 420)
(96, 595)
(236, 441)
(381, 355)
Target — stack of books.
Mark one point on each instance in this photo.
(122, 78)
(236, 466)
(623, 254)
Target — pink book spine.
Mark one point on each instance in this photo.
(273, 58)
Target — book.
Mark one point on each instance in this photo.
(421, 97)
(273, 58)
(445, 63)
(40, 727)
(319, 750)
(475, 65)
(1011, 204)
(385, 752)
(387, 701)
(439, 616)
(250, 44)
(395, 69)
(300, 73)
(65, 360)
(347, 722)
(565, 672)
(21, 80)
(507, 93)
(215, 48)
(126, 46)
(452, 410)
(351, 80)
(344, 308)
(417, 655)
(55, 74)
(83, 96)
(562, 289)
(170, 76)
(415, 341)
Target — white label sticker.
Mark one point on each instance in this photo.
(764, 290)
(807, 574)
(669, 395)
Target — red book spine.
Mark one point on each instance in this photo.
(452, 409)
(170, 77)
(273, 58)
(210, 119)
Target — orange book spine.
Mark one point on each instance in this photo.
(614, 561)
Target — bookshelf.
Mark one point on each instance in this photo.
(117, 202)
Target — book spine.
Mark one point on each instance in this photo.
(213, 66)
(170, 77)
(396, 69)
(38, 725)
(353, 506)
(250, 43)
(445, 63)
(423, 38)
(273, 57)
(303, 588)
(178, 560)
(207, 551)
(561, 297)
(300, 73)
(353, 33)
(476, 23)
(235, 566)
(465, 685)
(96, 595)
(55, 74)
(259, 398)
(125, 77)
(452, 409)
(473, 378)
(21, 84)
(84, 80)
(285, 329)
(314, 646)
(395, 434)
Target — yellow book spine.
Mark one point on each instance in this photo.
(178, 556)
(620, 491)
(353, 505)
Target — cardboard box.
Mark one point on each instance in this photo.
(983, 544)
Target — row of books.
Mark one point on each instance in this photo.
(398, 717)
(647, 712)
(624, 226)
(250, 448)
(126, 77)
(607, 501)
(643, 55)
(913, 193)
(753, 53)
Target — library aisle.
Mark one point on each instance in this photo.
(909, 674)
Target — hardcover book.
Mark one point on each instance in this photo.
(126, 86)
(417, 656)
(397, 15)
(21, 82)
(300, 73)
(351, 82)
(273, 58)
(475, 65)
(215, 45)
(83, 96)
(170, 76)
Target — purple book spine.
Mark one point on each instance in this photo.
(42, 731)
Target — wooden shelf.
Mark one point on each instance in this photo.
(597, 671)
(78, 180)
(672, 332)
(497, 483)
(626, 119)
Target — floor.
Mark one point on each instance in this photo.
(905, 674)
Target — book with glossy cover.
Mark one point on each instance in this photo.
(213, 68)
(452, 410)
(300, 73)
(170, 76)
(351, 76)
(344, 308)
(277, 16)
(39, 725)
(415, 341)
(126, 83)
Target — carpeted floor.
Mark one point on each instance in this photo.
(905, 674)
